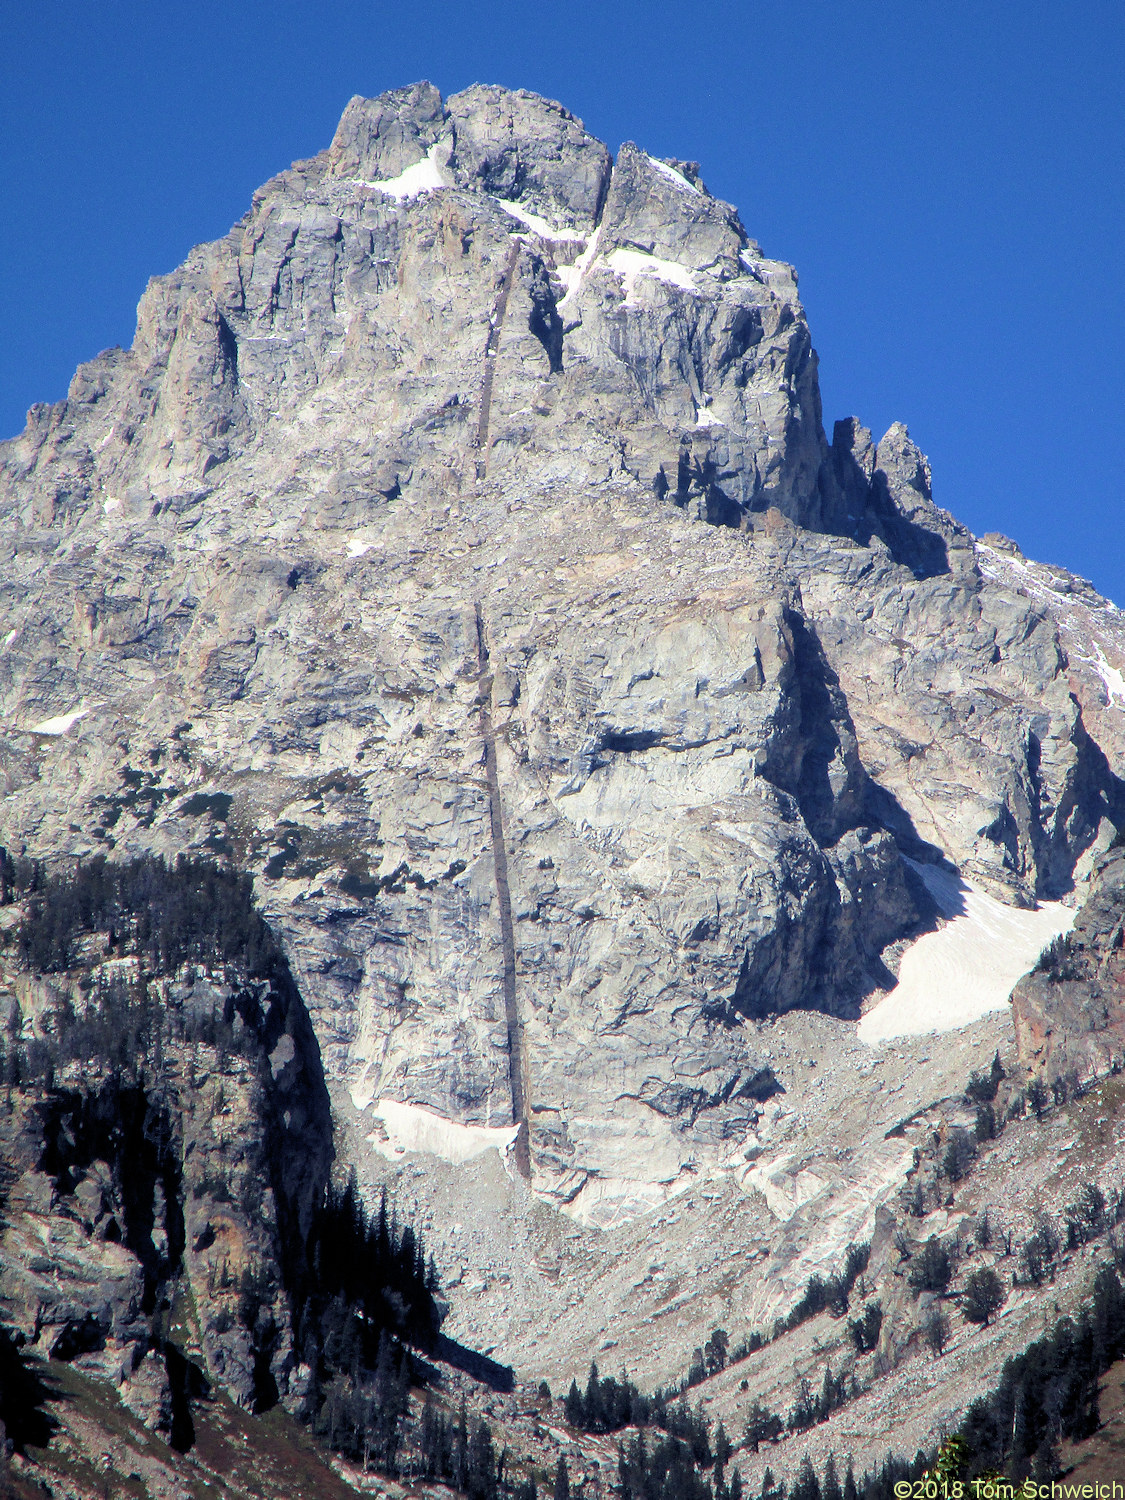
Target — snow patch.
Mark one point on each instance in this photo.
(10, 637)
(1030, 574)
(950, 978)
(1019, 564)
(571, 276)
(425, 176)
(113, 503)
(705, 418)
(537, 225)
(631, 264)
(677, 177)
(411, 1127)
(1111, 676)
(1073, 614)
(61, 723)
(356, 548)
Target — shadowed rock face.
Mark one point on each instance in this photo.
(253, 550)
(164, 1148)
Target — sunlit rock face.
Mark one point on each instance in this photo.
(459, 549)
(1069, 1013)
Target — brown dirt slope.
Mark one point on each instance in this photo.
(1101, 1458)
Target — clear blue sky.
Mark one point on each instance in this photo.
(948, 179)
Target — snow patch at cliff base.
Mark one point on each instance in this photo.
(412, 1127)
(969, 967)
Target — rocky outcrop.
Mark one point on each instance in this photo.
(886, 493)
(1070, 1013)
(165, 1145)
(966, 714)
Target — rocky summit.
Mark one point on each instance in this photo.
(656, 802)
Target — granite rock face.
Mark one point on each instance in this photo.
(459, 550)
(1069, 1014)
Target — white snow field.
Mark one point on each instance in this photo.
(412, 1127)
(571, 276)
(537, 225)
(61, 723)
(1111, 676)
(424, 176)
(670, 172)
(631, 264)
(955, 976)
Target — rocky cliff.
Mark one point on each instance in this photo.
(404, 479)
(166, 1143)
(1069, 1014)
(459, 551)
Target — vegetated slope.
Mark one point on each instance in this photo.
(458, 553)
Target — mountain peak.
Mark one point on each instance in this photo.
(459, 554)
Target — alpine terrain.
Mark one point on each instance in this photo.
(521, 852)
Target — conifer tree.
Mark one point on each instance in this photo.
(574, 1406)
(592, 1406)
(807, 1486)
(562, 1480)
(830, 1489)
(983, 1296)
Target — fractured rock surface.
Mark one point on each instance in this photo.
(1069, 1013)
(459, 550)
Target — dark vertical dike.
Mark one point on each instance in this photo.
(516, 1064)
(516, 1069)
(496, 324)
